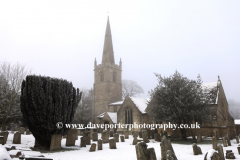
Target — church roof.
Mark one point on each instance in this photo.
(141, 103)
(112, 115)
(116, 103)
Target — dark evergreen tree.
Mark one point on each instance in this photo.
(46, 101)
(179, 100)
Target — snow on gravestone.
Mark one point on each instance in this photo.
(4, 154)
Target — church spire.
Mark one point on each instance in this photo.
(108, 56)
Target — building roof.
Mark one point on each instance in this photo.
(116, 103)
(141, 103)
(112, 115)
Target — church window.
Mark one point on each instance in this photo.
(128, 116)
(114, 76)
(102, 77)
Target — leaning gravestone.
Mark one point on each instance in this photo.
(152, 154)
(169, 146)
(99, 144)
(55, 142)
(228, 140)
(122, 138)
(237, 139)
(126, 134)
(5, 135)
(214, 143)
(199, 136)
(142, 151)
(145, 136)
(71, 137)
(199, 150)
(165, 146)
(93, 147)
(116, 137)
(170, 155)
(87, 135)
(112, 143)
(195, 149)
(135, 135)
(224, 142)
(17, 138)
(94, 136)
(105, 136)
(220, 152)
(157, 137)
(1, 140)
(83, 141)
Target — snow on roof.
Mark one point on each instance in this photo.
(112, 115)
(237, 121)
(141, 103)
(209, 87)
(116, 103)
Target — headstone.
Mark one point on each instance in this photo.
(224, 142)
(111, 133)
(142, 151)
(83, 141)
(116, 137)
(140, 134)
(215, 156)
(152, 154)
(214, 143)
(157, 137)
(170, 155)
(165, 134)
(122, 138)
(199, 137)
(5, 135)
(237, 148)
(152, 134)
(99, 144)
(55, 142)
(169, 146)
(17, 138)
(237, 139)
(71, 137)
(228, 140)
(93, 147)
(145, 136)
(126, 134)
(195, 149)
(220, 152)
(36, 145)
(135, 135)
(1, 140)
(21, 130)
(165, 146)
(148, 133)
(105, 136)
(229, 154)
(112, 143)
(199, 150)
(94, 136)
(87, 135)
(28, 132)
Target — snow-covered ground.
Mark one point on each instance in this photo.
(125, 150)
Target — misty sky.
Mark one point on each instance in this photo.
(62, 38)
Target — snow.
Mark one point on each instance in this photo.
(116, 103)
(125, 150)
(209, 86)
(101, 115)
(113, 116)
(237, 121)
(4, 155)
(141, 103)
(210, 154)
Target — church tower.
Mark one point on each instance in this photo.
(107, 87)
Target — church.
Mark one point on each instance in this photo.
(109, 108)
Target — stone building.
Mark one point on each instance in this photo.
(109, 108)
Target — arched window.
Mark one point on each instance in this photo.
(128, 116)
(114, 76)
(102, 77)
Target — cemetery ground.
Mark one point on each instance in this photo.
(125, 150)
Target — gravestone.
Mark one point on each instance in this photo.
(145, 136)
(152, 154)
(94, 136)
(214, 143)
(83, 141)
(17, 138)
(112, 143)
(5, 135)
(165, 134)
(1, 140)
(126, 134)
(111, 133)
(237, 148)
(87, 135)
(170, 155)
(55, 142)
(142, 152)
(169, 146)
(140, 134)
(116, 137)
(199, 150)
(157, 137)
(71, 137)
(105, 136)
(228, 140)
(229, 154)
(135, 135)
(122, 138)
(28, 132)
(199, 137)
(224, 142)
(195, 149)
(237, 139)
(99, 144)
(220, 152)
(164, 147)
(93, 147)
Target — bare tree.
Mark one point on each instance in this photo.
(84, 109)
(11, 77)
(130, 87)
(234, 108)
